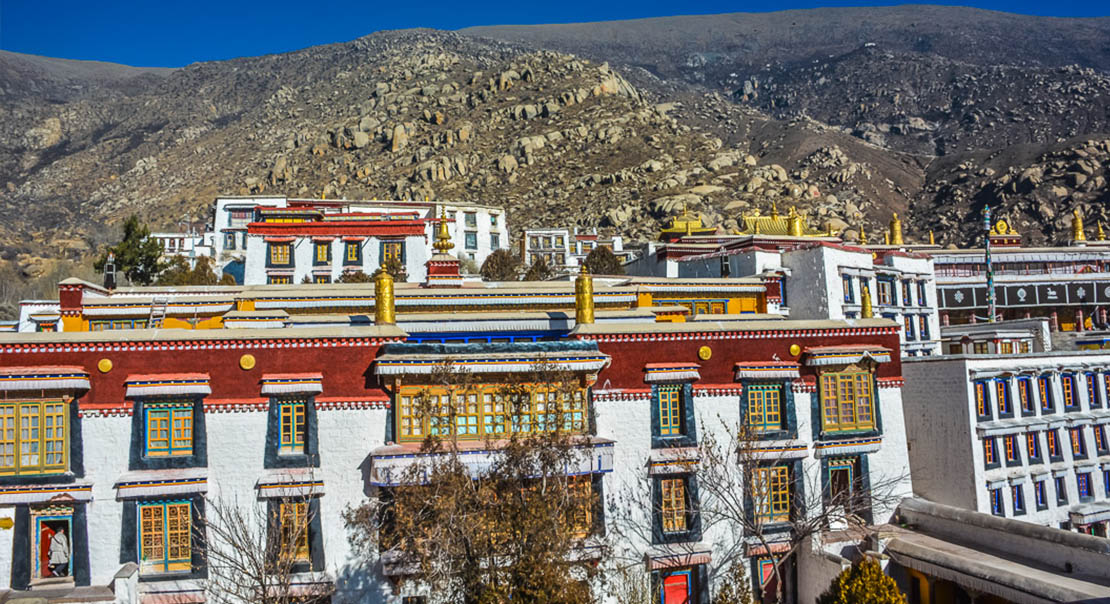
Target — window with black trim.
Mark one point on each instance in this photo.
(1061, 490)
(1017, 493)
(1052, 440)
(982, 400)
(1033, 447)
(1044, 389)
(1078, 443)
(352, 252)
(1071, 395)
(766, 412)
(165, 536)
(1039, 493)
(291, 416)
(321, 253)
(34, 437)
(1013, 450)
(675, 515)
(280, 254)
(998, 507)
(393, 251)
(847, 400)
(672, 416)
(990, 452)
(849, 289)
(771, 494)
(1025, 395)
(1099, 434)
(1002, 396)
(1083, 486)
(169, 428)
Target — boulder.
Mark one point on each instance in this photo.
(360, 139)
(507, 163)
(399, 138)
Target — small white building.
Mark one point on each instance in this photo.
(190, 245)
(566, 249)
(1017, 435)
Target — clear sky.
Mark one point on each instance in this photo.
(171, 33)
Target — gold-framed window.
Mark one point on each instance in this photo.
(34, 437)
(672, 505)
(847, 401)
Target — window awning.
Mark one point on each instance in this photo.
(322, 238)
(675, 555)
(292, 383)
(354, 239)
(423, 364)
(153, 483)
(279, 239)
(17, 494)
(44, 378)
(768, 370)
(845, 355)
(847, 447)
(167, 384)
(1089, 512)
(390, 465)
(671, 372)
(290, 482)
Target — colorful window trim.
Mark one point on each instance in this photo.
(393, 251)
(1106, 482)
(1078, 443)
(1002, 395)
(670, 410)
(323, 252)
(923, 327)
(764, 407)
(907, 323)
(1017, 493)
(489, 410)
(1044, 388)
(982, 403)
(886, 292)
(841, 481)
(293, 526)
(998, 507)
(1061, 490)
(1092, 390)
(165, 536)
(847, 401)
(1053, 444)
(1100, 439)
(672, 506)
(279, 279)
(1025, 394)
(321, 278)
(45, 524)
(1039, 494)
(112, 324)
(771, 494)
(280, 254)
(1067, 384)
(849, 290)
(292, 419)
(1033, 446)
(990, 456)
(1083, 485)
(907, 296)
(921, 301)
(1012, 452)
(34, 437)
(352, 252)
(169, 428)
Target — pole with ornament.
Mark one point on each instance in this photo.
(990, 266)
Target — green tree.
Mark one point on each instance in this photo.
(177, 272)
(355, 277)
(539, 271)
(602, 261)
(501, 265)
(863, 583)
(394, 267)
(734, 587)
(138, 255)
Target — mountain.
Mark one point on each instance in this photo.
(849, 114)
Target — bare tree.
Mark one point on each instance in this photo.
(258, 555)
(509, 531)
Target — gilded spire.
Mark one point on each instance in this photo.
(384, 305)
(1101, 235)
(443, 243)
(584, 297)
(794, 223)
(774, 210)
(1077, 226)
(932, 241)
(865, 311)
(896, 230)
(862, 235)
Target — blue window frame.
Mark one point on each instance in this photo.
(982, 400)
(1071, 395)
(165, 536)
(907, 321)
(907, 296)
(998, 507)
(849, 290)
(1093, 391)
(1044, 389)
(765, 406)
(677, 587)
(45, 526)
(1002, 395)
(352, 253)
(1083, 485)
(921, 301)
(1018, 496)
(1106, 481)
(1039, 495)
(169, 428)
(923, 326)
(1025, 394)
(1061, 490)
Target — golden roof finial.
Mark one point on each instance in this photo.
(886, 238)
(774, 210)
(865, 311)
(932, 241)
(896, 230)
(384, 304)
(324, 193)
(443, 242)
(584, 297)
(794, 223)
(1077, 226)
(862, 234)
(1101, 235)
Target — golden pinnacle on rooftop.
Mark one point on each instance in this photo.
(1101, 235)
(862, 234)
(794, 223)
(865, 311)
(443, 242)
(384, 304)
(932, 240)
(896, 230)
(584, 297)
(1077, 233)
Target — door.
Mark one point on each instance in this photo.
(676, 588)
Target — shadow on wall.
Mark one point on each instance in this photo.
(237, 269)
(362, 582)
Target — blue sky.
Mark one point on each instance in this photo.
(170, 34)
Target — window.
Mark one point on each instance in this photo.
(471, 239)
(1106, 389)
(921, 301)
(1078, 443)
(1067, 384)
(670, 411)
(907, 298)
(842, 477)
(990, 456)
(292, 417)
(1025, 347)
(923, 327)
(494, 241)
(52, 538)
(229, 241)
(979, 348)
(1039, 494)
(849, 291)
(1061, 490)
(1019, 499)
(488, 410)
(279, 279)
(471, 219)
(673, 505)
(771, 494)
(1002, 393)
(293, 526)
(169, 428)
(1007, 347)
(998, 508)
(493, 221)
(240, 214)
(847, 401)
(1044, 388)
(1013, 453)
(165, 536)
(321, 278)
(886, 292)
(279, 254)
(907, 320)
(1100, 439)
(33, 437)
(764, 407)
(1106, 481)
(1083, 485)
(1053, 444)
(393, 251)
(323, 252)
(352, 252)
(1092, 391)
(1033, 446)
(1025, 393)
(982, 403)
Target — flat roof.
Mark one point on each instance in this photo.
(718, 325)
(174, 335)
